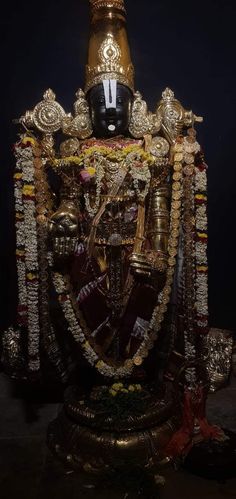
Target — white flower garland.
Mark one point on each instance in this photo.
(201, 247)
(20, 238)
(31, 262)
(26, 249)
(200, 267)
(197, 322)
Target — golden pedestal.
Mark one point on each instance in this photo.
(95, 441)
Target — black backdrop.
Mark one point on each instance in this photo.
(188, 46)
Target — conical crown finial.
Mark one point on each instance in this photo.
(117, 4)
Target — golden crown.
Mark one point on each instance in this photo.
(115, 4)
(108, 53)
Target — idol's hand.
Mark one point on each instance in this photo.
(148, 264)
(63, 229)
(140, 266)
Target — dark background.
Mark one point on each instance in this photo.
(188, 46)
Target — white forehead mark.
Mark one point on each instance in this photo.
(110, 91)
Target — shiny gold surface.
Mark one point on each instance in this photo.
(158, 410)
(46, 116)
(173, 115)
(110, 4)
(63, 228)
(80, 125)
(100, 450)
(108, 52)
(219, 351)
(124, 201)
(143, 122)
(158, 230)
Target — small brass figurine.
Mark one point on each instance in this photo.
(111, 231)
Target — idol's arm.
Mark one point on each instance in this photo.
(149, 258)
(158, 225)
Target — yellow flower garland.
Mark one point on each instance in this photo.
(111, 154)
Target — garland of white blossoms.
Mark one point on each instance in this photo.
(26, 248)
(201, 247)
(20, 238)
(200, 268)
(191, 147)
(150, 335)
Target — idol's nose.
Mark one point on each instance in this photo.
(111, 112)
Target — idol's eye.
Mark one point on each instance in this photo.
(101, 100)
(119, 100)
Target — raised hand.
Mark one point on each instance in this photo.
(63, 229)
(148, 264)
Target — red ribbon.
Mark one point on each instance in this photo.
(194, 413)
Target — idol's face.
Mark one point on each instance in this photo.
(110, 104)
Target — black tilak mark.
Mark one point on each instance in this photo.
(110, 94)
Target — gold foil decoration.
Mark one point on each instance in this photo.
(174, 116)
(108, 53)
(115, 4)
(143, 122)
